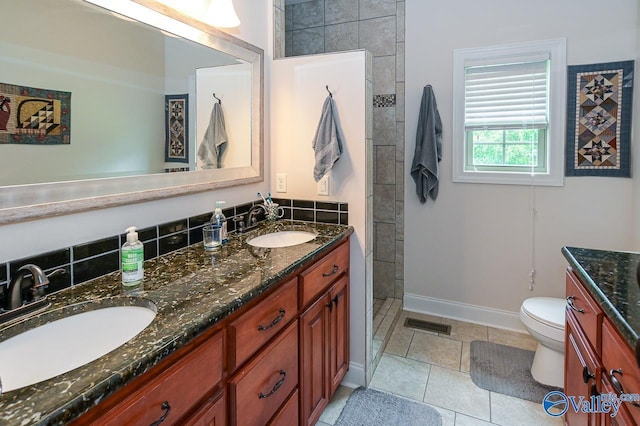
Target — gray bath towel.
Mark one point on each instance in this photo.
(327, 144)
(214, 141)
(425, 168)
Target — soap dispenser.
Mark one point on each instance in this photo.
(132, 260)
(219, 219)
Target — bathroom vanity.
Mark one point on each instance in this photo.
(602, 328)
(244, 335)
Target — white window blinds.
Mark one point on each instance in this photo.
(507, 96)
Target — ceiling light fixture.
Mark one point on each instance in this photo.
(222, 14)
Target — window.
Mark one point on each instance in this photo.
(509, 114)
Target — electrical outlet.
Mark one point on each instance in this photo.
(281, 182)
(323, 185)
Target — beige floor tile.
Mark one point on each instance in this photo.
(435, 350)
(512, 338)
(386, 305)
(335, 406)
(465, 360)
(462, 420)
(455, 391)
(448, 416)
(466, 331)
(401, 376)
(510, 411)
(399, 341)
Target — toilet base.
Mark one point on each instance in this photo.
(548, 367)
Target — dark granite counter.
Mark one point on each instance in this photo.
(610, 277)
(191, 290)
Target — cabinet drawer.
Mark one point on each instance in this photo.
(585, 310)
(317, 278)
(181, 386)
(212, 413)
(259, 389)
(289, 414)
(619, 365)
(254, 328)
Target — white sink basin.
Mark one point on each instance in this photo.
(282, 239)
(54, 348)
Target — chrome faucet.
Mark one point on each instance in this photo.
(28, 276)
(250, 220)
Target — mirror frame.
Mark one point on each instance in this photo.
(20, 203)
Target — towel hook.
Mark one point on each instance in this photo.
(330, 94)
(219, 100)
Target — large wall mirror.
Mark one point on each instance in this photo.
(108, 102)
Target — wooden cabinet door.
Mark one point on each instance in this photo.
(338, 332)
(314, 373)
(211, 414)
(580, 375)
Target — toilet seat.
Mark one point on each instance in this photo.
(547, 310)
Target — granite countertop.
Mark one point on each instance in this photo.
(610, 277)
(191, 290)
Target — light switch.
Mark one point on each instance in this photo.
(281, 182)
(323, 185)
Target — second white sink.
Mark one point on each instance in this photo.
(54, 348)
(282, 239)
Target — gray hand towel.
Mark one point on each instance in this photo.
(214, 141)
(425, 168)
(327, 144)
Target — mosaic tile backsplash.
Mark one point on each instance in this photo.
(93, 259)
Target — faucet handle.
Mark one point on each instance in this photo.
(239, 223)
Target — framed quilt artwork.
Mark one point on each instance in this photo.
(599, 103)
(177, 128)
(34, 116)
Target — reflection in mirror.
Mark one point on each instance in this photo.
(121, 90)
(118, 73)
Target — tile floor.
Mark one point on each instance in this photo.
(434, 369)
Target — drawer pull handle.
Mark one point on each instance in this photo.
(167, 408)
(336, 268)
(617, 386)
(274, 322)
(275, 387)
(335, 300)
(587, 375)
(572, 306)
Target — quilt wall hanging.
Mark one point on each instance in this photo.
(176, 128)
(34, 116)
(599, 119)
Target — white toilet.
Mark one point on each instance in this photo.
(544, 319)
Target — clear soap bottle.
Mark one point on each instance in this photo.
(219, 219)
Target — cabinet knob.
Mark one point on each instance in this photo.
(570, 300)
(336, 268)
(167, 408)
(275, 387)
(276, 320)
(617, 386)
(587, 375)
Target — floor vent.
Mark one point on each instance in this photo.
(434, 327)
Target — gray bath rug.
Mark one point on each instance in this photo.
(371, 407)
(506, 370)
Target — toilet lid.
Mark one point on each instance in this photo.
(548, 310)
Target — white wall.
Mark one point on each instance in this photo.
(298, 86)
(472, 248)
(29, 238)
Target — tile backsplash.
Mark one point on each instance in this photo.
(92, 259)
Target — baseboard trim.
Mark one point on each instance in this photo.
(355, 377)
(465, 312)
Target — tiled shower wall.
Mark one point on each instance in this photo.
(322, 26)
